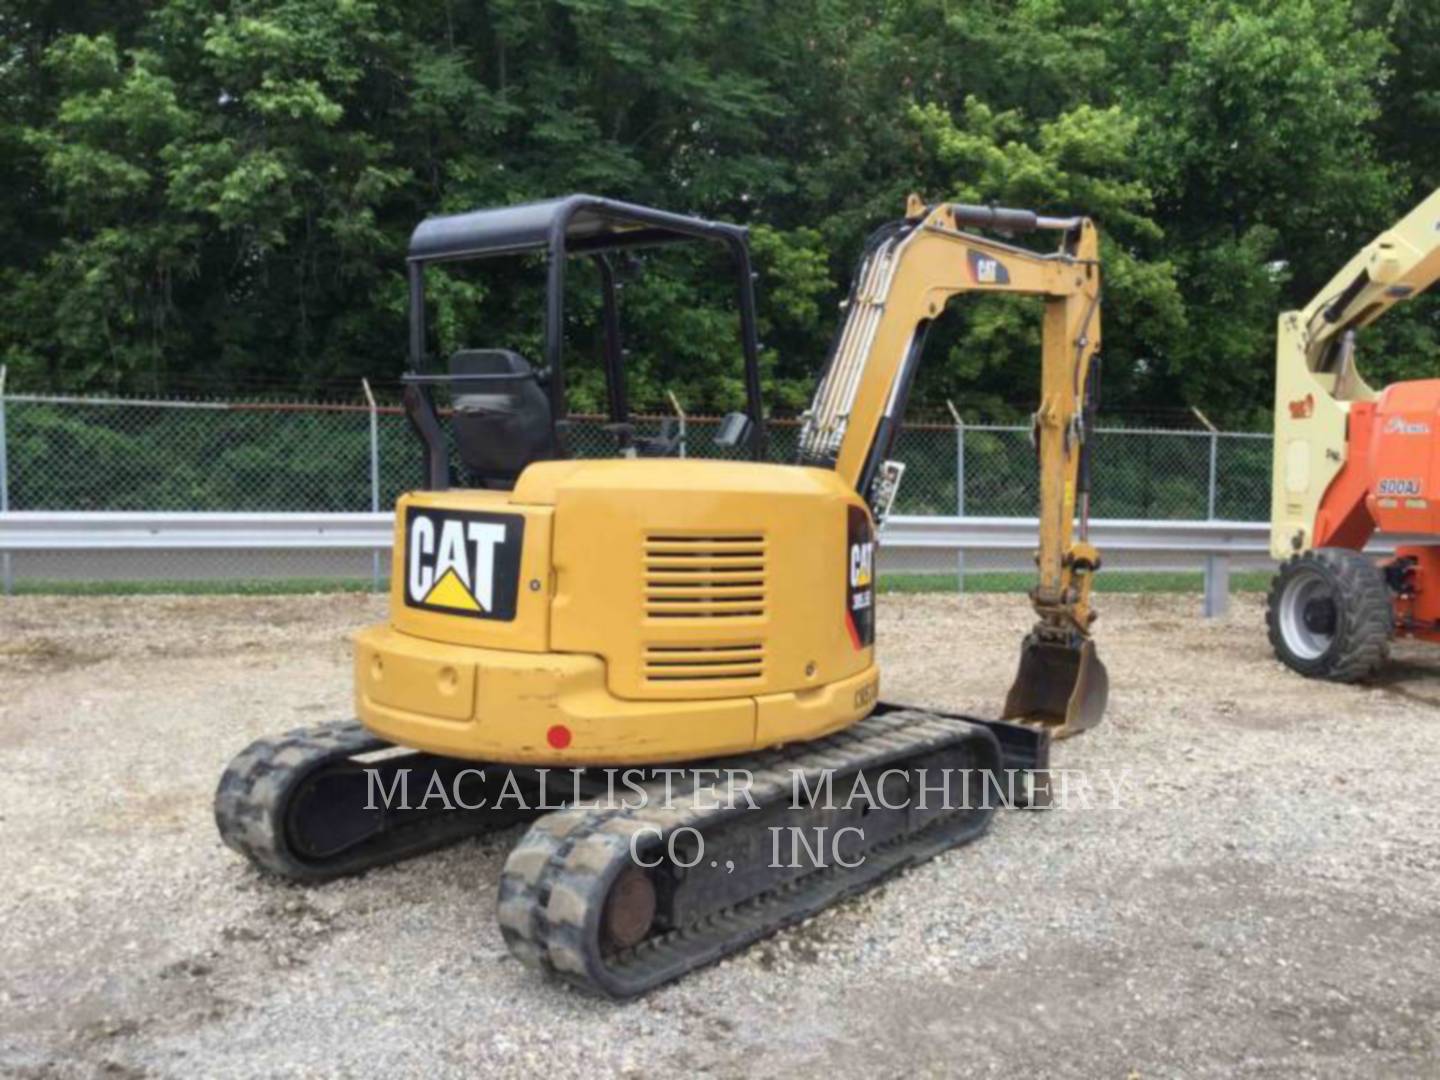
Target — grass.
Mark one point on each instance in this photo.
(1113, 581)
(181, 587)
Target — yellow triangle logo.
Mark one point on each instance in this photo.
(450, 592)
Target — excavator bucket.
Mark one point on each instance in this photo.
(1062, 686)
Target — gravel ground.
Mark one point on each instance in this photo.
(1263, 902)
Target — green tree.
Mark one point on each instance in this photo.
(1255, 130)
(220, 193)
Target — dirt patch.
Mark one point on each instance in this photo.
(42, 655)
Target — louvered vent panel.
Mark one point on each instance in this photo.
(704, 580)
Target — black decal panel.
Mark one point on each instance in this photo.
(860, 579)
(987, 270)
(461, 562)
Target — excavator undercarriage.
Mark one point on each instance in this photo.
(623, 884)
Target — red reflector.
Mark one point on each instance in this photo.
(558, 736)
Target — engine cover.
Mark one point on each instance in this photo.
(700, 579)
(625, 611)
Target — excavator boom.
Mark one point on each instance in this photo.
(910, 271)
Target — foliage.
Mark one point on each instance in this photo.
(219, 192)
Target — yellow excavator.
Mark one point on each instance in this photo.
(660, 662)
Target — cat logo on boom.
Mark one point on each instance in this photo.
(987, 270)
(459, 563)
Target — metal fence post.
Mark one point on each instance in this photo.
(1214, 461)
(1217, 567)
(375, 556)
(959, 488)
(7, 570)
(675, 404)
(959, 468)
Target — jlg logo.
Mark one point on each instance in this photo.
(463, 563)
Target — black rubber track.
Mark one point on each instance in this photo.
(555, 883)
(272, 794)
(1365, 620)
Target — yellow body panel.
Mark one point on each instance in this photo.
(403, 693)
(662, 562)
(666, 610)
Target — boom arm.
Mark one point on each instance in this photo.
(909, 272)
(1398, 264)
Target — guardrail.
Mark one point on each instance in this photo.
(66, 531)
(45, 530)
(1215, 543)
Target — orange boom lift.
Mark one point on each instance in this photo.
(1351, 461)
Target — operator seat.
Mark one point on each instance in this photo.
(502, 419)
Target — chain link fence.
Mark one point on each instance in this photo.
(65, 453)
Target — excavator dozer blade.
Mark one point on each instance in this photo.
(1063, 687)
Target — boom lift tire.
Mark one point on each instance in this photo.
(1329, 615)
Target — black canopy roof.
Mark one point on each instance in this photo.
(583, 223)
